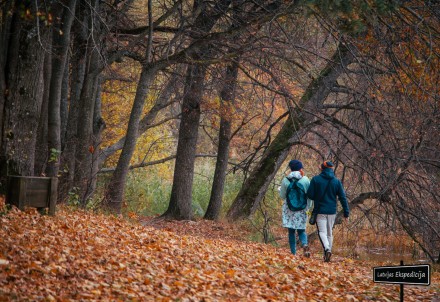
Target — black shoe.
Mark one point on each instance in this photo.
(327, 256)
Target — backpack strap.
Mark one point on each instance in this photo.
(296, 180)
(290, 181)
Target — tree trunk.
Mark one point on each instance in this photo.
(64, 106)
(5, 27)
(84, 142)
(41, 145)
(61, 40)
(78, 63)
(227, 97)
(180, 206)
(98, 127)
(24, 82)
(115, 190)
(181, 194)
(83, 154)
(144, 124)
(255, 187)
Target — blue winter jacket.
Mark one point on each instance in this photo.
(327, 203)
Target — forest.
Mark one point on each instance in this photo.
(188, 110)
(176, 120)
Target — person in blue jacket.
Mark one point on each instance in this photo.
(324, 189)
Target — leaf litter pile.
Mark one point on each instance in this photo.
(80, 256)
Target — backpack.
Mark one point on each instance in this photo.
(296, 198)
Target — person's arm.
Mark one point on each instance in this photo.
(305, 183)
(343, 200)
(309, 204)
(311, 195)
(283, 188)
(311, 190)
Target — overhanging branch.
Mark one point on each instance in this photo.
(156, 162)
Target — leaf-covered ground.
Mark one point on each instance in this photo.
(78, 256)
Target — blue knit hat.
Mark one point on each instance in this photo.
(327, 164)
(295, 165)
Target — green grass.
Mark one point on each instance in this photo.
(148, 194)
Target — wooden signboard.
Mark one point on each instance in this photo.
(31, 191)
(403, 274)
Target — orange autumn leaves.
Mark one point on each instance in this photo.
(78, 256)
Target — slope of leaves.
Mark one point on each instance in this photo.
(79, 256)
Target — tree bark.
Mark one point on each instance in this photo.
(180, 206)
(98, 127)
(64, 106)
(24, 83)
(218, 184)
(61, 41)
(5, 27)
(116, 187)
(181, 194)
(83, 154)
(145, 123)
(41, 145)
(84, 143)
(255, 186)
(78, 63)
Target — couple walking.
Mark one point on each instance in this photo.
(323, 189)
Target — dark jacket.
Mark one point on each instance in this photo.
(327, 203)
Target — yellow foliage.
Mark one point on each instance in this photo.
(117, 101)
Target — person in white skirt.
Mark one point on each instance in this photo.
(295, 221)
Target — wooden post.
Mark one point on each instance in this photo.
(401, 286)
(22, 193)
(53, 195)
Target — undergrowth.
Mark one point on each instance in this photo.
(148, 191)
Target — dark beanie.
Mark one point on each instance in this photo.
(295, 165)
(327, 164)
